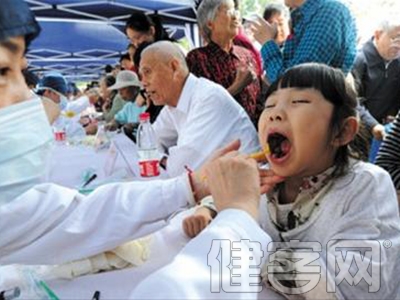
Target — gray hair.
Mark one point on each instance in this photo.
(388, 23)
(207, 12)
(165, 51)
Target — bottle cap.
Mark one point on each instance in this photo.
(144, 116)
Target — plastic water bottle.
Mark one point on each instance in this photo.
(59, 129)
(149, 158)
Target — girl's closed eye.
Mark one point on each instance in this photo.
(301, 101)
(269, 104)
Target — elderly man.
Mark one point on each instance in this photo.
(128, 86)
(221, 61)
(377, 71)
(200, 116)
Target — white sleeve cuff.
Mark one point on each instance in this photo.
(178, 190)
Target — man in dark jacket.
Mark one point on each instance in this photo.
(377, 75)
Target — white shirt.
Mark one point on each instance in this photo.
(205, 119)
(51, 224)
(361, 206)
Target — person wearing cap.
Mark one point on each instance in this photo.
(113, 101)
(128, 86)
(54, 87)
(52, 109)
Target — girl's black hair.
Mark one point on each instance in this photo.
(331, 83)
(141, 22)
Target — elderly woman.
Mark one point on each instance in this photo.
(220, 60)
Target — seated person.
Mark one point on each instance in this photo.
(199, 115)
(128, 86)
(113, 101)
(54, 87)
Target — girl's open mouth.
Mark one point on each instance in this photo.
(279, 146)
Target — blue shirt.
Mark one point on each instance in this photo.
(129, 113)
(324, 31)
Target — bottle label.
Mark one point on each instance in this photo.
(149, 168)
(59, 136)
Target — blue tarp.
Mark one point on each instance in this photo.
(79, 37)
(76, 48)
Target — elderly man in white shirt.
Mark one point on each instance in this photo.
(200, 116)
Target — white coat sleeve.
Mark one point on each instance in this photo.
(50, 224)
(189, 274)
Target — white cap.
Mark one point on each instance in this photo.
(124, 79)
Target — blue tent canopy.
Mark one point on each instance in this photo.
(113, 10)
(79, 37)
(75, 48)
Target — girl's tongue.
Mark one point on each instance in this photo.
(279, 145)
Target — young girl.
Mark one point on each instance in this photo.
(325, 201)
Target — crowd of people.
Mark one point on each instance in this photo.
(304, 99)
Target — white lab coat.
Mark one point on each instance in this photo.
(50, 224)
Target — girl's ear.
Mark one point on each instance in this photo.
(347, 132)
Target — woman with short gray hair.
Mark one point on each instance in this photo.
(221, 61)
